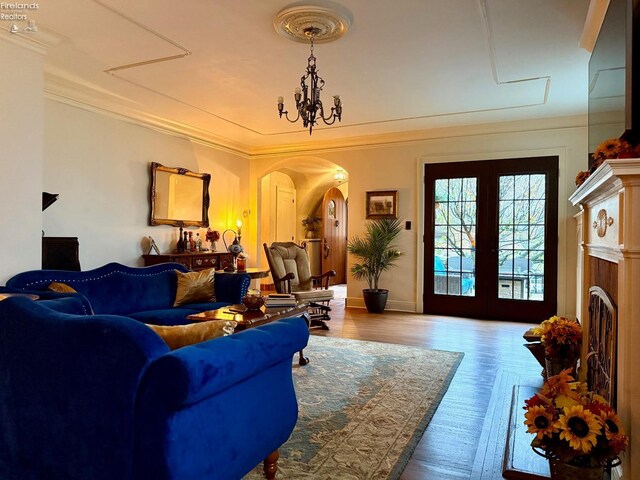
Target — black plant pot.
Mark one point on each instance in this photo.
(375, 300)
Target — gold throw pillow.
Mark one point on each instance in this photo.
(61, 288)
(177, 336)
(195, 287)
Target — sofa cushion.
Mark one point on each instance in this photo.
(193, 287)
(177, 336)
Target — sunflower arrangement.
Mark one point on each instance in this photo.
(561, 337)
(574, 425)
(611, 148)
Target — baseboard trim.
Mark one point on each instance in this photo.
(392, 305)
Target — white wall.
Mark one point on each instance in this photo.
(21, 126)
(400, 167)
(100, 167)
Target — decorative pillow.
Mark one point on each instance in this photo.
(195, 287)
(177, 336)
(61, 288)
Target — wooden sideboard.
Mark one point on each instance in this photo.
(193, 260)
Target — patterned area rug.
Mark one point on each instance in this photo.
(363, 408)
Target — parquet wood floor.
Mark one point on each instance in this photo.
(447, 450)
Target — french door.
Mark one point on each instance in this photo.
(491, 230)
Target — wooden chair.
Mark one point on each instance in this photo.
(291, 273)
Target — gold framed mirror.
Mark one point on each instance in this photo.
(178, 197)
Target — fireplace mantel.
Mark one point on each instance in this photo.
(608, 227)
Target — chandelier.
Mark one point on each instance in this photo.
(307, 96)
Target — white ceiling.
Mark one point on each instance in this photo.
(404, 65)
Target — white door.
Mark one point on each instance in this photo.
(285, 215)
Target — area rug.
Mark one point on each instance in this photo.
(363, 408)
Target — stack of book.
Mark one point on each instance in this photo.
(279, 300)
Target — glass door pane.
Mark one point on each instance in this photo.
(521, 236)
(454, 241)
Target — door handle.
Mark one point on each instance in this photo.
(326, 248)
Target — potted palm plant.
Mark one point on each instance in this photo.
(376, 253)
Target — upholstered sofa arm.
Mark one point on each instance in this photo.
(200, 371)
(64, 376)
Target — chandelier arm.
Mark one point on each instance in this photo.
(286, 115)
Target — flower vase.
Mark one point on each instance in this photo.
(554, 365)
(564, 471)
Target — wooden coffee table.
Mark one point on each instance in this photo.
(253, 318)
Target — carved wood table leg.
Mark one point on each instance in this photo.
(303, 360)
(271, 465)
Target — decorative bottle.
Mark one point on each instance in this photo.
(185, 242)
(192, 243)
(198, 242)
(180, 245)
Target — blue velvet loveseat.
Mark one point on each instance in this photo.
(101, 396)
(143, 293)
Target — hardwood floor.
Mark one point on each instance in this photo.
(448, 447)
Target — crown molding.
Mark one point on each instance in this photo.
(88, 97)
(37, 42)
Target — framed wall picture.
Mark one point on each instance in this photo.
(382, 204)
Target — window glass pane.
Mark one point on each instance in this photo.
(506, 187)
(506, 212)
(440, 237)
(454, 236)
(536, 212)
(521, 187)
(469, 237)
(470, 186)
(454, 213)
(521, 212)
(521, 237)
(505, 240)
(455, 188)
(538, 187)
(521, 234)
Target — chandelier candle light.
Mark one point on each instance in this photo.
(307, 96)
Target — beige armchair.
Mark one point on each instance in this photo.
(291, 273)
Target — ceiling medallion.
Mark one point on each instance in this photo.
(330, 21)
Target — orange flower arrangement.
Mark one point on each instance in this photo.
(574, 425)
(561, 337)
(581, 177)
(611, 148)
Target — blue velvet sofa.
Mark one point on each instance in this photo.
(143, 293)
(101, 397)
